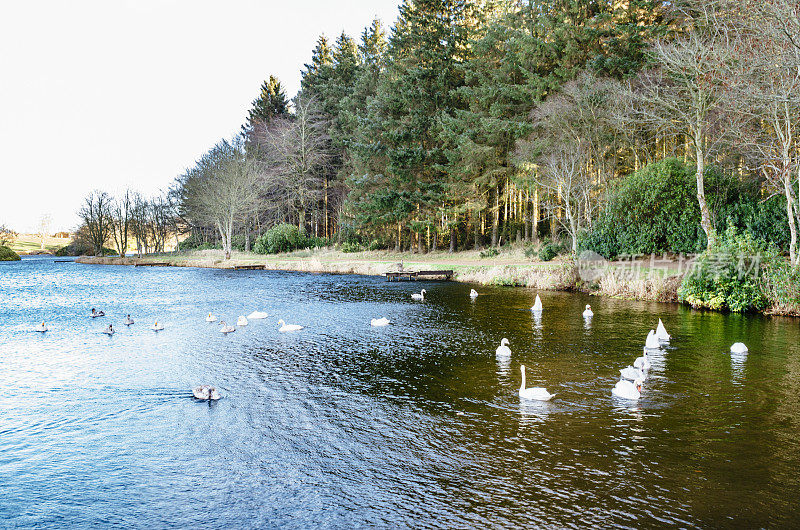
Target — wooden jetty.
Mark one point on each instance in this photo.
(152, 264)
(248, 267)
(398, 276)
(63, 260)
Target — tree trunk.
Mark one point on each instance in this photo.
(787, 186)
(705, 215)
(398, 246)
(496, 219)
(453, 238)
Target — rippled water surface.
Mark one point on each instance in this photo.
(416, 424)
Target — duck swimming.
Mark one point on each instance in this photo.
(205, 392)
(96, 314)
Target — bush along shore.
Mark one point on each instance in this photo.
(738, 276)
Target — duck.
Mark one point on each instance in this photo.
(628, 390)
(588, 313)
(419, 296)
(661, 332)
(205, 392)
(241, 321)
(503, 350)
(642, 363)
(537, 305)
(109, 330)
(537, 393)
(739, 347)
(128, 321)
(226, 328)
(632, 374)
(255, 315)
(41, 328)
(156, 326)
(651, 343)
(473, 293)
(288, 327)
(378, 322)
(211, 318)
(96, 314)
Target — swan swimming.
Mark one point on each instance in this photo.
(96, 314)
(211, 318)
(156, 326)
(41, 329)
(473, 293)
(632, 374)
(503, 350)
(241, 321)
(128, 321)
(642, 363)
(288, 327)
(226, 328)
(255, 315)
(419, 296)
(109, 330)
(588, 313)
(378, 322)
(739, 347)
(651, 343)
(628, 390)
(661, 332)
(537, 305)
(205, 392)
(538, 393)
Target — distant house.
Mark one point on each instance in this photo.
(61, 235)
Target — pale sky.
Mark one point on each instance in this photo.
(110, 94)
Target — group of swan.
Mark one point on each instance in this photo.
(537, 308)
(633, 377)
(241, 321)
(503, 353)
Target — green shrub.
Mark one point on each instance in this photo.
(728, 276)
(6, 254)
(348, 246)
(550, 250)
(81, 248)
(489, 253)
(280, 238)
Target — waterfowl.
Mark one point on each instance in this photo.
(226, 328)
(642, 363)
(205, 392)
(377, 322)
(156, 326)
(538, 393)
(128, 320)
(255, 315)
(211, 318)
(661, 332)
(241, 321)
(109, 330)
(96, 314)
(419, 296)
(651, 343)
(632, 373)
(628, 390)
(41, 329)
(588, 313)
(288, 327)
(473, 293)
(739, 347)
(537, 304)
(503, 350)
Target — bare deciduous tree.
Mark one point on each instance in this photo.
(6, 235)
(121, 217)
(96, 216)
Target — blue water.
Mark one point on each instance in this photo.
(413, 425)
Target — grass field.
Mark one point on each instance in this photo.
(27, 243)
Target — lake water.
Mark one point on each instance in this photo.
(416, 424)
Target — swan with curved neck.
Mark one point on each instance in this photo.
(661, 332)
(419, 296)
(628, 390)
(651, 343)
(288, 327)
(537, 393)
(537, 305)
(503, 350)
(226, 328)
(642, 363)
(588, 313)
(473, 293)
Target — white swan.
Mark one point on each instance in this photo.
(211, 318)
(205, 392)
(473, 293)
(537, 305)
(226, 328)
(109, 330)
(588, 313)
(419, 296)
(41, 329)
(651, 343)
(241, 321)
(538, 393)
(288, 327)
(128, 321)
(739, 347)
(632, 373)
(503, 350)
(255, 315)
(378, 322)
(661, 332)
(642, 363)
(628, 390)
(157, 326)
(96, 314)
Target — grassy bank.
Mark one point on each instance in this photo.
(32, 244)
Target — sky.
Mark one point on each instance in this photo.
(114, 94)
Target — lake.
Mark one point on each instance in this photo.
(412, 425)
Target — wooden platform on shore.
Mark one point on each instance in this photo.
(152, 264)
(63, 260)
(248, 267)
(418, 275)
